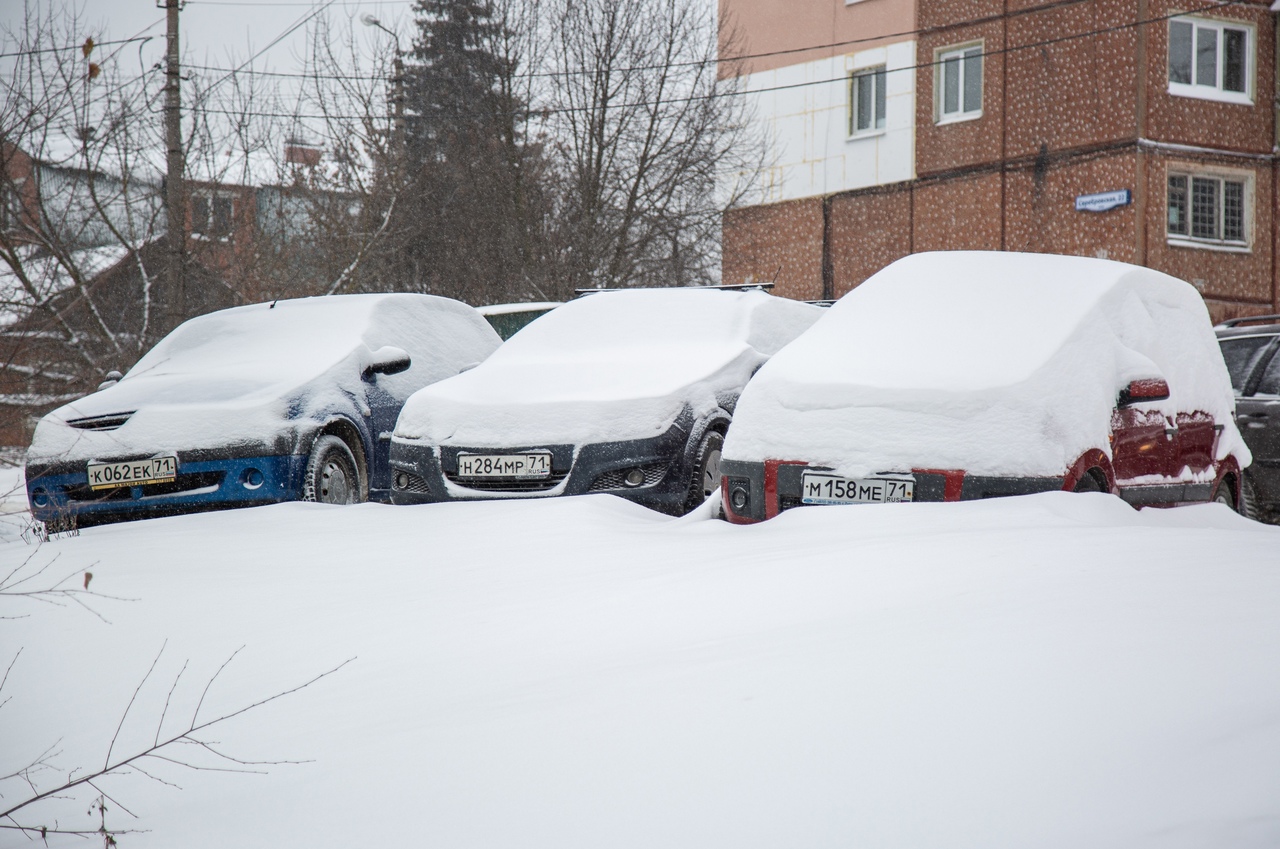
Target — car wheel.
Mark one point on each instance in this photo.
(333, 476)
(1224, 496)
(1090, 481)
(1248, 498)
(706, 469)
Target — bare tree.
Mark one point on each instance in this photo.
(31, 790)
(647, 131)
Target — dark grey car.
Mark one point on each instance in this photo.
(622, 392)
(1251, 348)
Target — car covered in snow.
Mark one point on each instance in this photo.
(1250, 347)
(294, 399)
(964, 375)
(624, 392)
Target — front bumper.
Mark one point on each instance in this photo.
(423, 473)
(60, 494)
(753, 492)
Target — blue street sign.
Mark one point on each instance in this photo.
(1102, 201)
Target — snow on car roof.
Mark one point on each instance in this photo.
(641, 353)
(996, 362)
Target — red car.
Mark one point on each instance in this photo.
(962, 375)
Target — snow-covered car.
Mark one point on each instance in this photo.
(962, 375)
(289, 400)
(623, 392)
(1250, 346)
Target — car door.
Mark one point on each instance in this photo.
(1258, 416)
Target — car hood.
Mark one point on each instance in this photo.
(520, 403)
(167, 413)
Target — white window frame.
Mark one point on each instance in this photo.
(1220, 176)
(879, 101)
(1200, 90)
(940, 58)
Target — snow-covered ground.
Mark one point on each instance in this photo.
(1049, 671)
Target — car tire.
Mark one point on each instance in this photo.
(706, 469)
(1248, 506)
(1090, 481)
(333, 475)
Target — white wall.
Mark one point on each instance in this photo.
(812, 152)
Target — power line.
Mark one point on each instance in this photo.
(39, 50)
(736, 93)
(787, 51)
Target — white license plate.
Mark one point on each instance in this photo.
(535, 464)
(132, 472)
(823, 488)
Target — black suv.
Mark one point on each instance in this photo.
(1250, 346)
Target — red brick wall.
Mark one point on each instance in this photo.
(958, 215)
(1072, 93)
(780, 242)
(868, 232)
(1040, 213)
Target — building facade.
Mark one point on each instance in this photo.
(1136, 130)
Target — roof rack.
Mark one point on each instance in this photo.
(1233, 322)
(723, 287)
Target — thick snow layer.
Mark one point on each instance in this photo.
(998, 363)
(245, 374)
(1050, 671)
(608, 366)
(507, 309)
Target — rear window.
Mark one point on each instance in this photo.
(1241, 355)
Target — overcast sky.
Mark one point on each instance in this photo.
(215, 32)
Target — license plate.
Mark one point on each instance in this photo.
(822, 488)
(132, 472)
(535, 464)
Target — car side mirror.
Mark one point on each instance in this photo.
(1144, 389)
(111, 378)
(387, 360)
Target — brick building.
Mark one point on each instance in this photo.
(1139, 130)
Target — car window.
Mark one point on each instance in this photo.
(1270, 383)
(1241, 354)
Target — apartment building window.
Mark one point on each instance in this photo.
(958, 83)
(1211, 60)
(866, 101)
(211, 216)
(1209, 209)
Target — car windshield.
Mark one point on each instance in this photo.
(303, 337)
(1241, 355)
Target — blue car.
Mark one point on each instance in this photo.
(291, 400)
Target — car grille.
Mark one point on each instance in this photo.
(183, 483)
(653, 472)
(551, 481)
(110, 421)
(786, 502)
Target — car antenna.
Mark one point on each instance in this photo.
(775, 276)
(273, 304)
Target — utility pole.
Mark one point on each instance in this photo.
(175, 185)
(397, 84)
